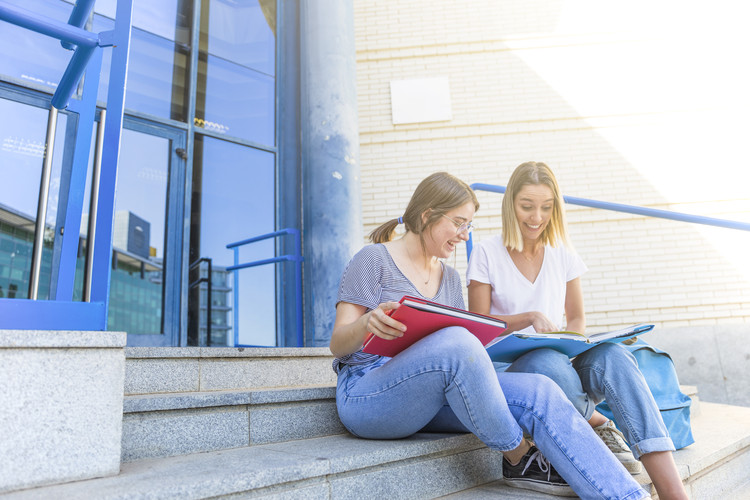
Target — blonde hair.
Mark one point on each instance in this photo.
(436, 194)
(535, 173)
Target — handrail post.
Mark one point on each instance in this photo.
(298, 284)
(209, 303)
(41, 211)
(93, 207)
(236, 298)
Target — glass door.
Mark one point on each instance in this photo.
(147, 235)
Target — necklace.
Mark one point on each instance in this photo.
(411, 262)
(533, 256)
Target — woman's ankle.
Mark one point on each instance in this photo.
(515, 455)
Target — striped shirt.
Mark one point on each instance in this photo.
(372, 278)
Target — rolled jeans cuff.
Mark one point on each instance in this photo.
(652, 445)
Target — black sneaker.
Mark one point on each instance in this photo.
(534, 472)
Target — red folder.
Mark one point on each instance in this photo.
(423, 317)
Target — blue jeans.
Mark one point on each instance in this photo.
(607, 371)
(446, 383)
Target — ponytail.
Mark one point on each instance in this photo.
(384, 232)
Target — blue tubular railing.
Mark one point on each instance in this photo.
(69, 35)
(296, 258)
(60, 312)
(631, 209)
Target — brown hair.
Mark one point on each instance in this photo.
(536, 173)
(438, 193)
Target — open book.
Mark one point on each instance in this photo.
(423, 317)
(570, 343)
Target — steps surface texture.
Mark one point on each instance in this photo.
(423, 466)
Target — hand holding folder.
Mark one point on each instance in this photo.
(423, 317)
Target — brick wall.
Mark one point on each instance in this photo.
(638, 103)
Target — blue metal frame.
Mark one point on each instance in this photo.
(296, 258)
(62, 313)
(630, 209)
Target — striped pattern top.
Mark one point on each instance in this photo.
(372, 278)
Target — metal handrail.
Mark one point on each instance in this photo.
(619, 207)
(296, 257)
(41, 209)
(209, 302)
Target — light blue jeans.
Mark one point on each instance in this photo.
(607, 371)
(446, 383)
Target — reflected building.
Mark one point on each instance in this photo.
(136, 281)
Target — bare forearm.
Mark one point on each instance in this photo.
(347, 339)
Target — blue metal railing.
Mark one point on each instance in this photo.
(60, 312)
(296, 257)
(619, 207)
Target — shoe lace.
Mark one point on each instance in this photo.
(541, 461)
(612, 437)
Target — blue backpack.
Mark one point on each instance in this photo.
(658, 370)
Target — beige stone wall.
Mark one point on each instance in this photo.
(639, 103)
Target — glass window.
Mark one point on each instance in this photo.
(161, 18)
(22, 145)
(243, 32)
(139, 234)
(236, 84)
(237, 101)
(157, 72)
(30, 57)
(233, 199)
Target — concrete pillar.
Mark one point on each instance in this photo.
(330, 157)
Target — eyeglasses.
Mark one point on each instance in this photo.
(461, 226)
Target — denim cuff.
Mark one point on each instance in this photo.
(652, 445)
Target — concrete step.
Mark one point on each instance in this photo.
(715, 467)
(457, 467)
(162, 425)
(329, 467)
(158, 370)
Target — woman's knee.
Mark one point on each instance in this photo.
(542, 361)
(606, 357)
(456, 340)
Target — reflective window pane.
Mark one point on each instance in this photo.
(32, 58)
(237, 101)
(22, 147)
(161, 18)
(139, 231)
(157, 74)
(232, 200)
(243, 32)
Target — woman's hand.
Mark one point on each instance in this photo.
(382, 325)
(541, 323)
(353, 324)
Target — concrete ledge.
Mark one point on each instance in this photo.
(179, 424)
(61, 396)
(200, 369)
(227, 352)
(25, 339)
(155, 402)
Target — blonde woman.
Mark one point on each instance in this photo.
(446, 381)
(530, 277)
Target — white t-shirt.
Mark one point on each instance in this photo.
(512, 292)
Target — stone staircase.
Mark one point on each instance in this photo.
(261, 423)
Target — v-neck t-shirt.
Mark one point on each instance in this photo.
(512, 292)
